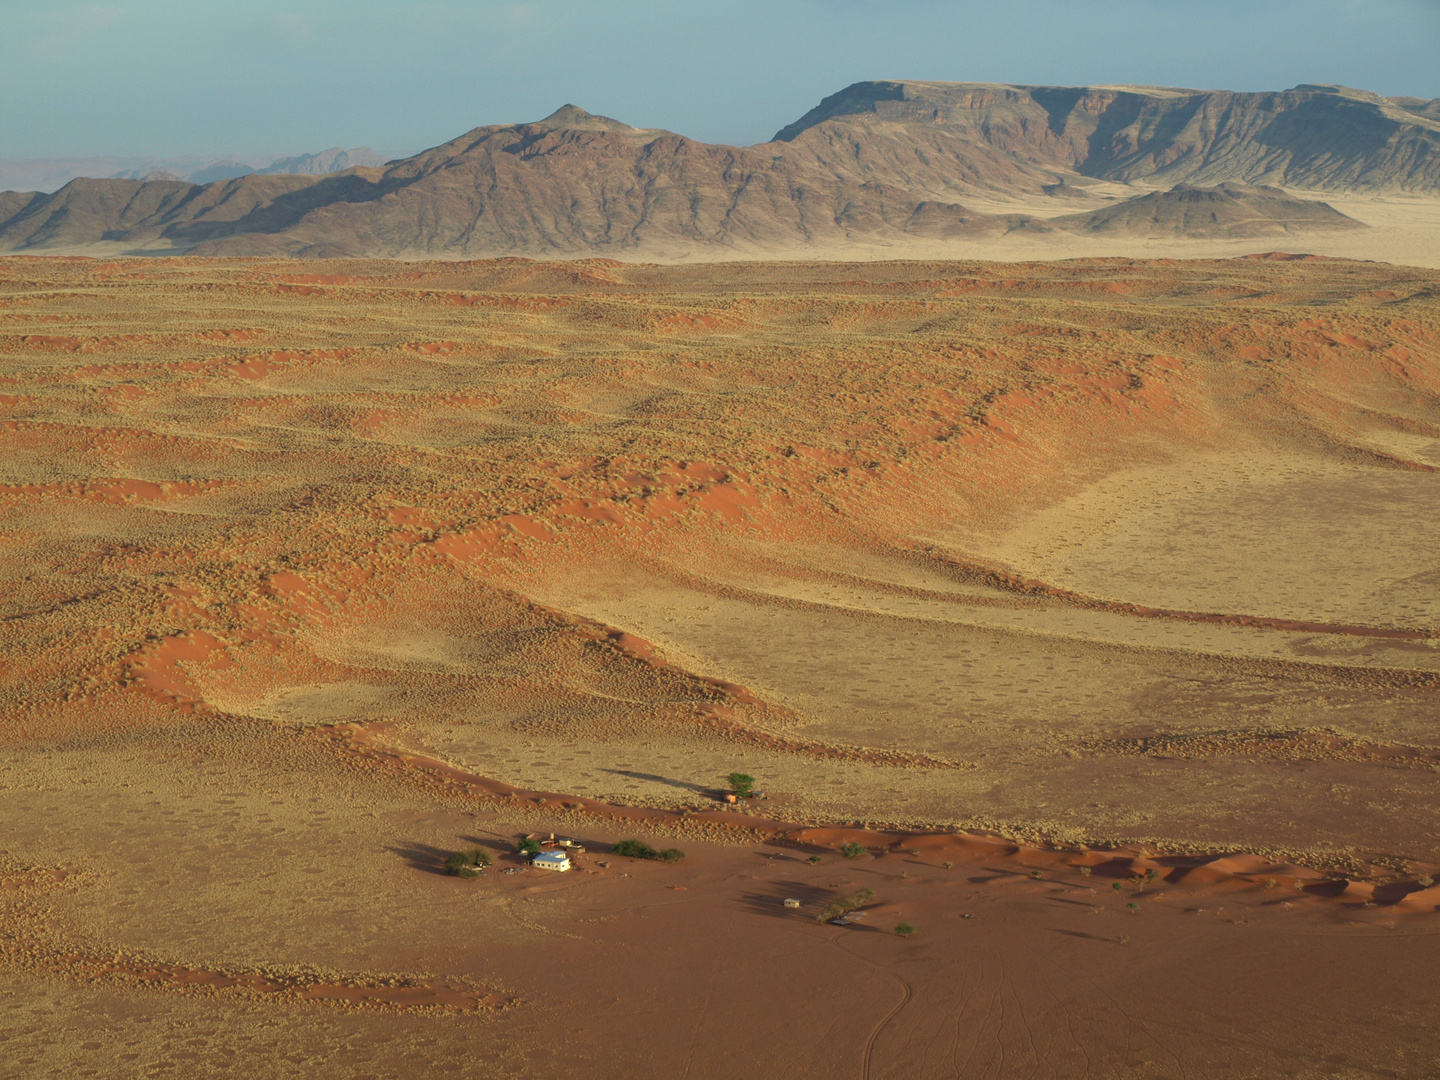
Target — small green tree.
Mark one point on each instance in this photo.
(467, 864)
(634, 849)
(852, 850)
(741, 784)
(904, 929)
(813, 859)
(529, 847)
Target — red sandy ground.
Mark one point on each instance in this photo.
(302, 570)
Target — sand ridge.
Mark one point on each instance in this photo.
(1111, 566)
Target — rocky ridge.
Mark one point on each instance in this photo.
(878, 161)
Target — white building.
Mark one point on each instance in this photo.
(551, 860)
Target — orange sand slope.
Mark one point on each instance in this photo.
(1106, 565)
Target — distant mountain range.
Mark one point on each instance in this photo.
(50, 174)
(877, 161)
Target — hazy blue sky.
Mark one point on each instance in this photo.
(204, 76)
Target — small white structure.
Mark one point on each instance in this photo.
(551, 860)
(792, 903)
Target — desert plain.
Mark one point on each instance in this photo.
(1096, 602)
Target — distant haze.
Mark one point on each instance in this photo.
(51, 174)
(138, 78)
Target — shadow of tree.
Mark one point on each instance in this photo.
(423, 857)
(770, 900)
(1088, 937)
(668, 781)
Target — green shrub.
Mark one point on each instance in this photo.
(845, 905)
(638, 849)
(813, 859)
(852, 850)
(634, 849)
(905, 929)
(467, 863)
(741, 784)
(529, 847)
(457, 864)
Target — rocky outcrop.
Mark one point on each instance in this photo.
(1229, 211)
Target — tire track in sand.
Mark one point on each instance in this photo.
(908, 992)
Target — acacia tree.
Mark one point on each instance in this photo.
(741, 784)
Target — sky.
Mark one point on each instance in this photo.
(171, 77)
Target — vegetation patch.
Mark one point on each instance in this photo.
(742, 784)
(638, 849)
(837, 909)
(467, 863)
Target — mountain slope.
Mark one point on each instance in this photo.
(880, 161)
(570, 184)
(950, 136)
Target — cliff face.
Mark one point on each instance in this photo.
(878, 160)
(1318, 137)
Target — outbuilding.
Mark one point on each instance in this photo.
(551, 860)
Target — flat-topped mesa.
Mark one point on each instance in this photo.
(927, 101)
(1311, 136)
